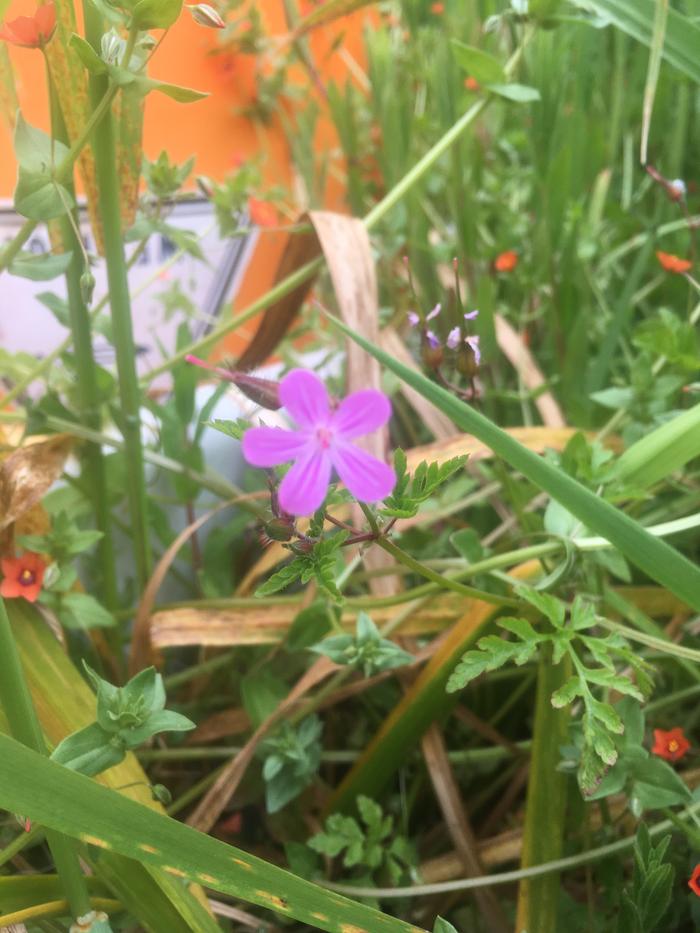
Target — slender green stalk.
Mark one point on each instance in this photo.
(442, 580)
(543, 833)
(508, 877)
(93, 468)
(104, 148)
(24, 725)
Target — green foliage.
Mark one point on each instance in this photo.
(649, 782)
(366, 650)
(165, 178)
(371, 845)
(291, 759)
(38, 195)
(646, 902)
(235, 429)
(311, 560)
(411, 491)
(600, 721)
(126, 717)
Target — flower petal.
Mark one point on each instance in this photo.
(367, 478)
(305, 486)
(361, 413)
(304, 396)
(268, 447)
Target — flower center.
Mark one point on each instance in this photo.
(673, 745)
(27, 577)
(324, 436)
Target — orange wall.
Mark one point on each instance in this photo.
(209, 129)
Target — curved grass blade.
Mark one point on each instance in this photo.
(651, 555)
(636, 18)
(64, 704)
(62, 799)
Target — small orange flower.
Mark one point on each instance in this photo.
(672, 263)
(694, 883)
(437, 8)
(23, 576)
(31, 32)
(262, 213)
(471, 84)
(671, 745)
(506, 262)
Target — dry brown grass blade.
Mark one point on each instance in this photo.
(458, 825)
(498, 850)
(524, 363)
(219, 794)
(538, 439)
(275, 322)
(9, 103)
(141, 653)
(28, 473)
(348, 254)
(70, 82)
(268, 624)
(218, 726)
(434, 420)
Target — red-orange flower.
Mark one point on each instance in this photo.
(671, 745)
(22, 576)
(437, 8)
(31, 32)
(506, 262)
(471, 84)
(694, 883)
(262, 213)
(672, 263)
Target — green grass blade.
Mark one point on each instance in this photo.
(543, 833)
(655, 456)
(655, 54)
(64, 800)
(636, 18)
(651, 555)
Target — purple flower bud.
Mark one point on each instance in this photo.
(432, 339)
(473, 344)
(413, 318)
(453, 338)
(470, 315)
(434, 313)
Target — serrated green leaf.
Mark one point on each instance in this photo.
(550, 607)
(520, 627)
(283, 578)
(567, 692)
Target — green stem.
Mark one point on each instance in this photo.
(17, 703)
(443, 581)
(93, 467)
(543, 833)
(104, 148)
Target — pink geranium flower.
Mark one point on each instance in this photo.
(323, 442)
